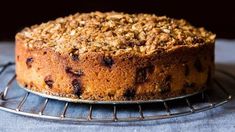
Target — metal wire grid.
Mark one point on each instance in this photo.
(194, 104)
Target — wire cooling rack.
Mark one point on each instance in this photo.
(18, 101)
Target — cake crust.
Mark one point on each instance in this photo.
(173, 59)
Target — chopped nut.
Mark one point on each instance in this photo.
(166, 30)
(197, 40)
(72, 32)
(115, 17)
(113, 31)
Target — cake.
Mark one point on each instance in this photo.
(112, 56)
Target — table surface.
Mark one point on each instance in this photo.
(219, 119)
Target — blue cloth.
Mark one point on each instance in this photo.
(216, 120)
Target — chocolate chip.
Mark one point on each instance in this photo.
(74, 55)
(18, 57)
(189, 85)
(77, 87)
(186, 70)
(49, 82)
(29, 62)
(31, 84)
(198, 65)
(44, 53)
(76, 73)
(165, 88)
(107, 61)
(143, 73)
(110, 95)
(165, 85)
(129, 93)
(168, 79)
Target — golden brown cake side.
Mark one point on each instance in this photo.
(97, 76)
(115, 56)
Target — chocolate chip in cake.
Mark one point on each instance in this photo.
(44, 53)
(49, 82)
(75, 57)
(168, 79)
(18, 57)
(198, 65)
(111, 95)
(186, 70)
(189, 85)
(129, 93)
(165, 88)
(76, 73)
(29, 62)
(74, 54)
(165, 85)
(143, 73)
(77, 87)
(31, 84)
(108, 61)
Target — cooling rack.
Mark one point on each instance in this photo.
(22, 102)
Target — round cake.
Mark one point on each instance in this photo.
(115, 57)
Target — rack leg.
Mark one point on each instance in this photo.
(4, 94)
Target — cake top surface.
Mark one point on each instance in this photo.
(115, 33)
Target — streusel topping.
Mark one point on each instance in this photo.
(114, 32)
